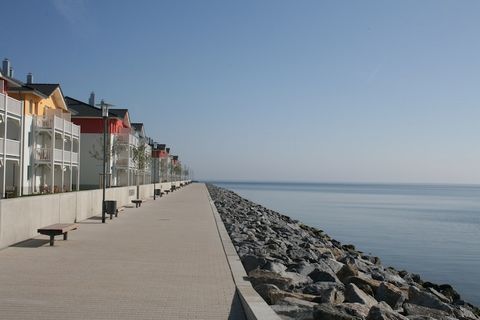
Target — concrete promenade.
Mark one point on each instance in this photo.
(164, 260)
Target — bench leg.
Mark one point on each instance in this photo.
(116, 213)
(52, 240)
(65, 236)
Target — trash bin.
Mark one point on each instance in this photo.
(111, 208)
(158, 192)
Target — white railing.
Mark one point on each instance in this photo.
(75, 130)
(13, 106)
(66, 156)
(133, 140)
(47, 122)
(44, 122)
(43, 154)
(58, 122)
(13, 147)
(57, 154)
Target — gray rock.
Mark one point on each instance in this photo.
(257, 277)
(354, 294)
(383, 311)
(302, 267)
(392, 295)
(356, 309)
(297, 279)
(417, 310)
(251, 262)
(268, 292)
(346, 272)
(426, 299)
(294, 308)
(333, 264)
(327, 311)
(439, 295)
(323, 276)
(369, 286)
(320, 287)
(274, 267)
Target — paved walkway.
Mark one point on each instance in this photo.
(164, 260)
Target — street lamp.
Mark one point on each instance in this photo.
(154, 172)
(104, 106)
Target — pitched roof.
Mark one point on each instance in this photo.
(119, 112)
(82, 109)
(45, 88)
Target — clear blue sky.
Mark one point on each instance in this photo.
(365, 91)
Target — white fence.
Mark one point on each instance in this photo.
(21, 217)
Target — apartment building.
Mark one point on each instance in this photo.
(49, 140)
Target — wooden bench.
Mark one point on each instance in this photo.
(167, 191)
(57, 229)
(138, 203)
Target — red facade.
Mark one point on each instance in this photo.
(95, 125)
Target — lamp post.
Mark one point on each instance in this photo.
(154, 172)
(104, 107)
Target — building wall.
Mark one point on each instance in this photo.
(91, 167)
(21, 217)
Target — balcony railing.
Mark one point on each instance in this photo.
(12, 147)
(127, 138)
(47, 122)
(45, 154)
(14, 106)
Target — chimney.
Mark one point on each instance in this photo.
(29, 78)
(6, 67)
(91, 100)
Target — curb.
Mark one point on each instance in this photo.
(253, 304)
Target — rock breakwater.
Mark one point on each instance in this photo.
(304, 274)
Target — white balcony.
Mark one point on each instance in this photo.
(12, 147)
(60, 124)
(14, 107)
(45, 155)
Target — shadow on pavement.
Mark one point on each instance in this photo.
(31, 243)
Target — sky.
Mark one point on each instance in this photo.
(273, 90)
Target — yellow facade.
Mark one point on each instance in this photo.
(34, 104)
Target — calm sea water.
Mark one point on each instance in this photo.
(433, 230)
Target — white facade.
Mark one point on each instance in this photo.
(11, 116)
(51, 153)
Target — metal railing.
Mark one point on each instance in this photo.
(13, 105)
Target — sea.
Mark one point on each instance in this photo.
(432, 230)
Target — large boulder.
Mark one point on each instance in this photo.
(327, 311)
(258, 277)
(294, 308)
(382, 311)
(355, 309)
(417, 310)
(320, 288)
(274, 267)
(297, 280)
(325, 275)
(426, 299)
(368, 285)
(268, 292)
(251, 262)
(354, 294)
(392, 295)
(346, 272)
